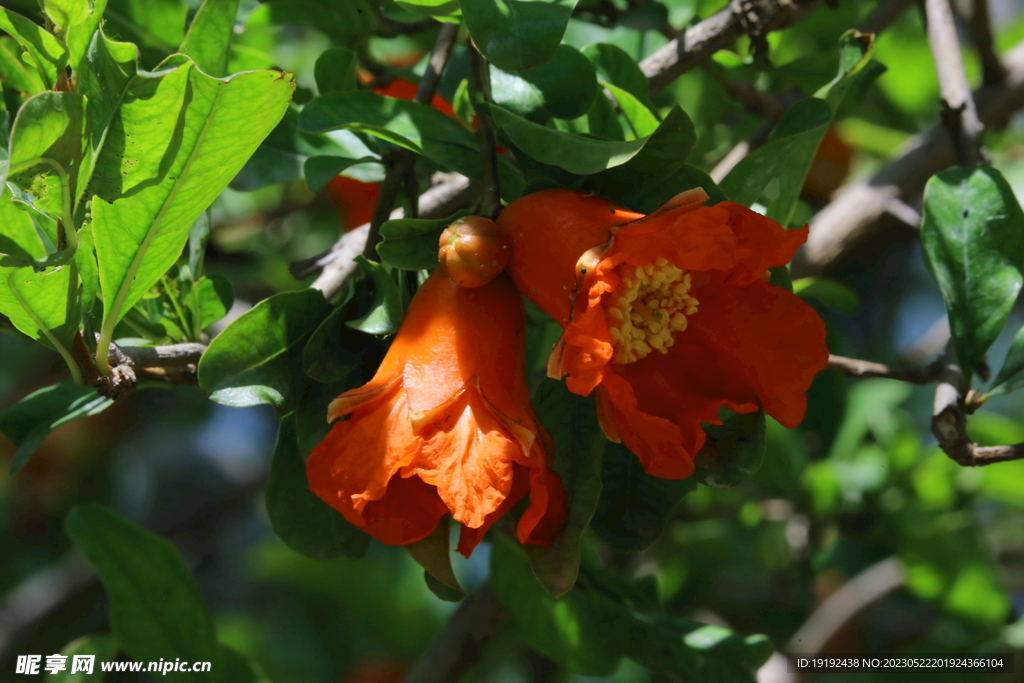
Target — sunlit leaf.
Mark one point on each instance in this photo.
(517, 34)
(208, 41)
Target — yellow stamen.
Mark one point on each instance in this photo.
(650, 307)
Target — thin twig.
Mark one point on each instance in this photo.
(337, 267)
(401, 162)
(865, 368)
(959, 113)
(490, 194)
(461, 642)
(717, 32)
(980, 24)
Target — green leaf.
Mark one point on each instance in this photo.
(156, 611)
(615, 66)
(412, 243)
(16, 74)
(339, 20)
(829, 292)
(635, 506)
(212, 297)
(158, 25)
(441, 591)
(335, 70)
(658, 172)
(440, 9)
(321, 169)
(208, 41)
(258, 358)
(385, 316)
(640, 118)
(1011, 375)
(574, 153)
(733, 451)
(854, 56)
(47, 146)
(416, 127)
(103, 648)
(75, 21)
(19, 238)
(335, 350)
(972, 235)
(572, 422)
(29, 421)
(572, 630)
(783, 161)
(517, 34)
(49, 55)
(565, 86)
(147, 200)
(44, 305)
(305, 523)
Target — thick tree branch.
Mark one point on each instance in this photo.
(959, 114)
(858, 212)
(401, 161)
(719, 31)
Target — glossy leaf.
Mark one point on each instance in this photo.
(658, 171)
(615, 66)
(258, 358)
(412, 243)
(634, 506)
(208, 41)
(211, 299)
(74, 22)
(43, 304)
(416, 127)
(733, 451)
(49, 54)
(104, 648)
(517, 34)
(1011, 375)
(574, 153)
(305, 523)
(17, 75)
(572, 422)
(829, 292)
(212, 126)
(320, 170)
(571, 631)
(156, 611)
(335, 350)
(47, 147)
(157, 25)
(640, 118)
(335, 70)
(385, 315)
(29, 421)
(784, 160)
(565, 86)
(972, 235)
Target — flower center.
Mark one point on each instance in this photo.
(648, 309)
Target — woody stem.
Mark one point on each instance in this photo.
(490, 198)
(401, 162)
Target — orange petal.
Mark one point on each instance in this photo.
(549, 230)
(775, 338)
(548, 511)
(408, 512)
(761, 243)
(470, 537)
(468, 456)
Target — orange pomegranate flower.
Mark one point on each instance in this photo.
(354, 199)
(668, 316)
(444, 426)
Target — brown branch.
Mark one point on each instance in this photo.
(855, 367)
(858, 212)
(490, 196)
(980, 24)
(718, 32)
(336, 265)
(959, 114)
(461, 642)
(401, 162)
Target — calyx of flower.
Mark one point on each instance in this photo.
(472, 251)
